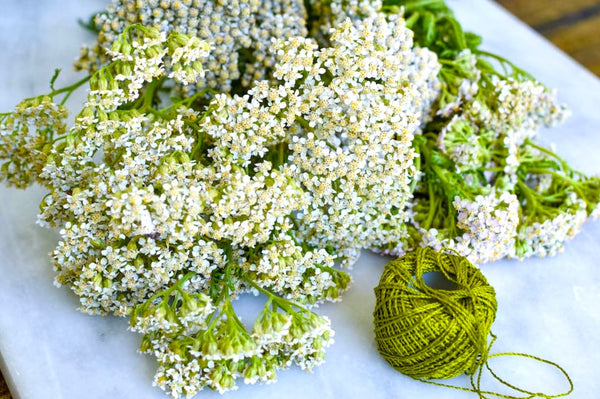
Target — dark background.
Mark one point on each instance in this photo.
(572, 25)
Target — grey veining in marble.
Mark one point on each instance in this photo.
(547, 307)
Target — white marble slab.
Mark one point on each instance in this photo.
(547, 307)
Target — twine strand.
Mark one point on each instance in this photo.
(431, 333)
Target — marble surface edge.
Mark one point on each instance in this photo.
(330, 381)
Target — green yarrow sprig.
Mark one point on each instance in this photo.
(460, 211)
(556, 201)
(479, 152)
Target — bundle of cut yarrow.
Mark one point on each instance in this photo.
(259, 146)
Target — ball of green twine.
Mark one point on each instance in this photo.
(433, 333)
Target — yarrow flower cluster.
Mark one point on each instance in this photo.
(511, 112)
(298, 134)
(239, 33)
(486, 187)
(177, 217)
(364, 99)
(26, 138)
(501, 155)
(168, 214)
(488, 224)
(326, 15)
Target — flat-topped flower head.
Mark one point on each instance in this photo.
(359, 114)
(238, 32)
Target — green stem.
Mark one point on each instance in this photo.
(67, 89)
(304, 123)
(415, 180)
(563, 163)
(230, 312)
(287, 304)
(534, 205)
(223, 294)
(487, 80)
(440, 172)
(447, 62)
(281, 153)
(410, 6)
(458, 32)
(570, 181)
(54, 140)
(70, 89)
(199, 144)
(150, 94)
(175, 286)
(188, 101)
(503, 61)
(432, 208)
(526, 191)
